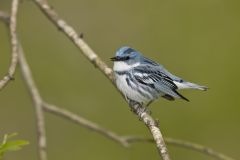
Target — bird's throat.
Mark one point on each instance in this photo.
(123, 66)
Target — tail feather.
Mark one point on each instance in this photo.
(196, 86)
(189, 85)
(181, 96)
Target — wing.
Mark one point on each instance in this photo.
(154, 77)
(158, 66)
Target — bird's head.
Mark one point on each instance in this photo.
(127, 55)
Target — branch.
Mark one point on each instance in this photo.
(152, 125)
(75, 38)
(84, 122)
(18, 55)
(198, 148)
(12, 21)
(183, 144)
(37, 101)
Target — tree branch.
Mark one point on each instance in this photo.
(37, 101)
(152, 125)
(183, 144)
(198, 148)
(12, 21)
(84, 122)
(18, 55)
(75, 38)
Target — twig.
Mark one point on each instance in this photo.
(84, 122)
(26, 73)
(14, 43)
(37, 100)
(183, 144)
(198, 148)
(152, 125)
(93, 57)
(75, 38)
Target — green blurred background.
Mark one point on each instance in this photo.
(197, 39)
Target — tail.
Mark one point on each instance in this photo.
(189, 85)
(181, 96)
(183, 85)
(172, 98)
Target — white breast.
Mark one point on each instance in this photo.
(128, 91)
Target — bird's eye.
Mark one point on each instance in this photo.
(127, 58)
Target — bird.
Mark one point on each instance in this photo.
(143, 81)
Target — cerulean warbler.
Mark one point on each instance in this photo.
(142, 80)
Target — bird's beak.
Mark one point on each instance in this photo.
(115, 58)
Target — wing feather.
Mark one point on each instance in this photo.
(153, 77)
